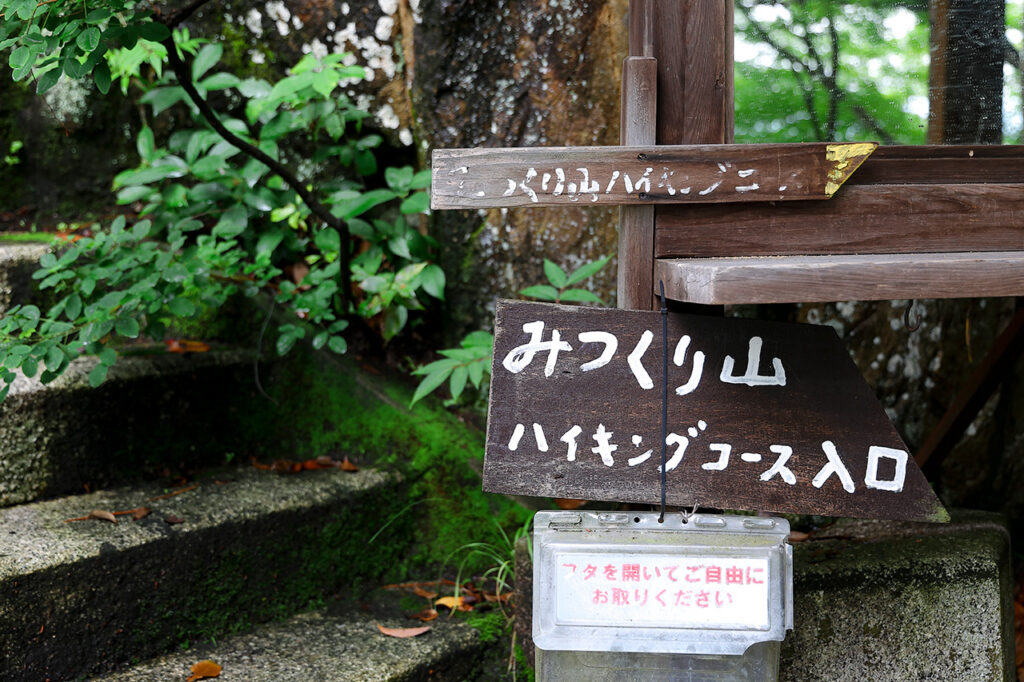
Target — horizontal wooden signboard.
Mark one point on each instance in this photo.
(763, 416)
(692, 174)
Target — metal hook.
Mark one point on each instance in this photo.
(687, 515)
(907, 324)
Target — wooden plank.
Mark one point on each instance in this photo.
(859, 219)
(946, 164)
(669, 50)
(560, 176)
(636, 223)
(708, 65)
(641, 28)
(746, 397)
(791, 279)
(973, 394)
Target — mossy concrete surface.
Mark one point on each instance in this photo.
(328, 647)
(17, 263)
(153, 410)
(887, 601)
(245, 546)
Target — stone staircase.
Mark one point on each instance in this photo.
(267, 573)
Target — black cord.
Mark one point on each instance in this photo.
(664, 397)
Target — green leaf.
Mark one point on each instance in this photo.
(433, 281)
(415, 203)
(478, 339)
(101, 76)
(476, 371)
(48, 80)
(162, 99)
(325, 81)
(395, 318)
(98, 375)
(232, 223)
(181, 307)
(137, 193)
(458, 381)
(587, 270)
(153, 31)
(19, 57)
(541, 291)
(97, 16)
(145, 144)
(285, 342)
(555, 274)
(580, 296)
(88, 40)
(30, 366)
(429, 383)
(328, 240)
(54, 359)
(140, 230)
(206, 58)
(366, 162)
(360, 205)
(269, 241)
(73, 307)
(320, 339)
(219, 81)
(398, 179)
(421, 180)
(127, 327)
(252, 87)
(107, 356)
(337, 344)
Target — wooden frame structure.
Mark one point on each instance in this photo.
(912, 222)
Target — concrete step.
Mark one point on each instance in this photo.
(153, 410)
(243, 547)
(17, 263)
(328, 647)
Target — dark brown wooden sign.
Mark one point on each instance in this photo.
(691, 174)
(761, 415)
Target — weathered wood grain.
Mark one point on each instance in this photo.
(822, 405)
(708, 72)
(859, 219)
(790, 279)
(558, 176)
(945, 164)
(636, 223)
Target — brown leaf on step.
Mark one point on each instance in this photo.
(426, 615)
(456, 603)
(798, 536)
(256, 464)
(204, 670)
(326, 462)
(347, 465)
(173, 493)
(569, 504)
(186, 346)
(174, 520)
(99, 514)
(503, 598)
(403, 633)
(420, 592)
(141, 513)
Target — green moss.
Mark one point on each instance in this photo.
(364, 415)
(492, 625)
(26, 237)
(524, 667)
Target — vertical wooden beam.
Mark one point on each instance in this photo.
(641, 28)
(693, 44)
(636, 223)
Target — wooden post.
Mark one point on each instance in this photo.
(635, 284)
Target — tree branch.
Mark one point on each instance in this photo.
(184, 75)
(179, 15)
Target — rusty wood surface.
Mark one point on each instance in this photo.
(636, 223)
(558, 429)
(973, 394)
(641, 175)
(859, 219)
(790, 279)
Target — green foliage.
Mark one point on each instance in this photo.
(11, 158)
(560, 289)
(222, 211)
(473, 358)
(821, 70)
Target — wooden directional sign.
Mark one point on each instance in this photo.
(761, 415)
(558, 176)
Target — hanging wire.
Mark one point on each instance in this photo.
(664, 396)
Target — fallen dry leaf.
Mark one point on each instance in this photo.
(798, 536)
(420, 592)
(456, 603)
(186, 346)
(347, 465)
(564, 503)
(426, 615)
(172, 494)
(203, 670)
(174, 520)
(403, 633)
(141, 513)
